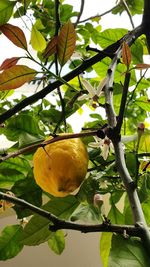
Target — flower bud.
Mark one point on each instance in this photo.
(97, 200)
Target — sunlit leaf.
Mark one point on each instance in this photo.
(57, 242)
(126, 54)
(15, 35)
(9, 242)
(66, 42)
(144, 145)
(15, 77)
(37, 230)
(127, 252)
(28, 190)
(51, 47)
(9, 62)
(37, 41)
(6, 9)
(105, 245)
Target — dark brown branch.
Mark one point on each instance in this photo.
(80, 13)
(123, 101)
(61, 224)
(146, 22)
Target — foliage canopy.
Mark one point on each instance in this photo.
(75, 64)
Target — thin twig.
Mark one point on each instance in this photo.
(80, 13)
(44, 143)
(99, 15)
(128, 12)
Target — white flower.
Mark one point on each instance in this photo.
(104, 144)
(93, 92)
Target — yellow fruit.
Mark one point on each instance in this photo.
(60, 167)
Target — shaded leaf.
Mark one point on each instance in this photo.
(51, 47)
(66, 42)
(9, 62)
(87, 213)
(15, 77)
(57, 242)
(9, 242)
(37, 41)
(28, 190)
(126, 54)
(37, 230)
(105, 246)
(23, 125)
(15, 35)
(6, 10)
(130, 253)
(115, 215)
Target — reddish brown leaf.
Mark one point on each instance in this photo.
(9, 62)
(51, 47)
(126, 54)
(66, 42)
(15, 35)
(15, 77)
(142, 66)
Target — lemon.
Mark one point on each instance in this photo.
(60, 167)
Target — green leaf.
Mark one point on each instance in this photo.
(21, 124)
(115, 216)
(144, 145)
(10, 244)
(87, 213)
(105, 246)
(9, 176)
(144, 103)
(28, 190)
(127, 252)
(137, 52)
(108, 37)
(57, 242)
(6, 10)
(37, 230)
(131, 163)
(37, 41)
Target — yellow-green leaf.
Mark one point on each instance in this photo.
(37, 41)
(105, 246)
(66, 42)
(15, 35)
(15, 77)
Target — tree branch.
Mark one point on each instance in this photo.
(54, 139)
(130, 230)
(123, 101)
